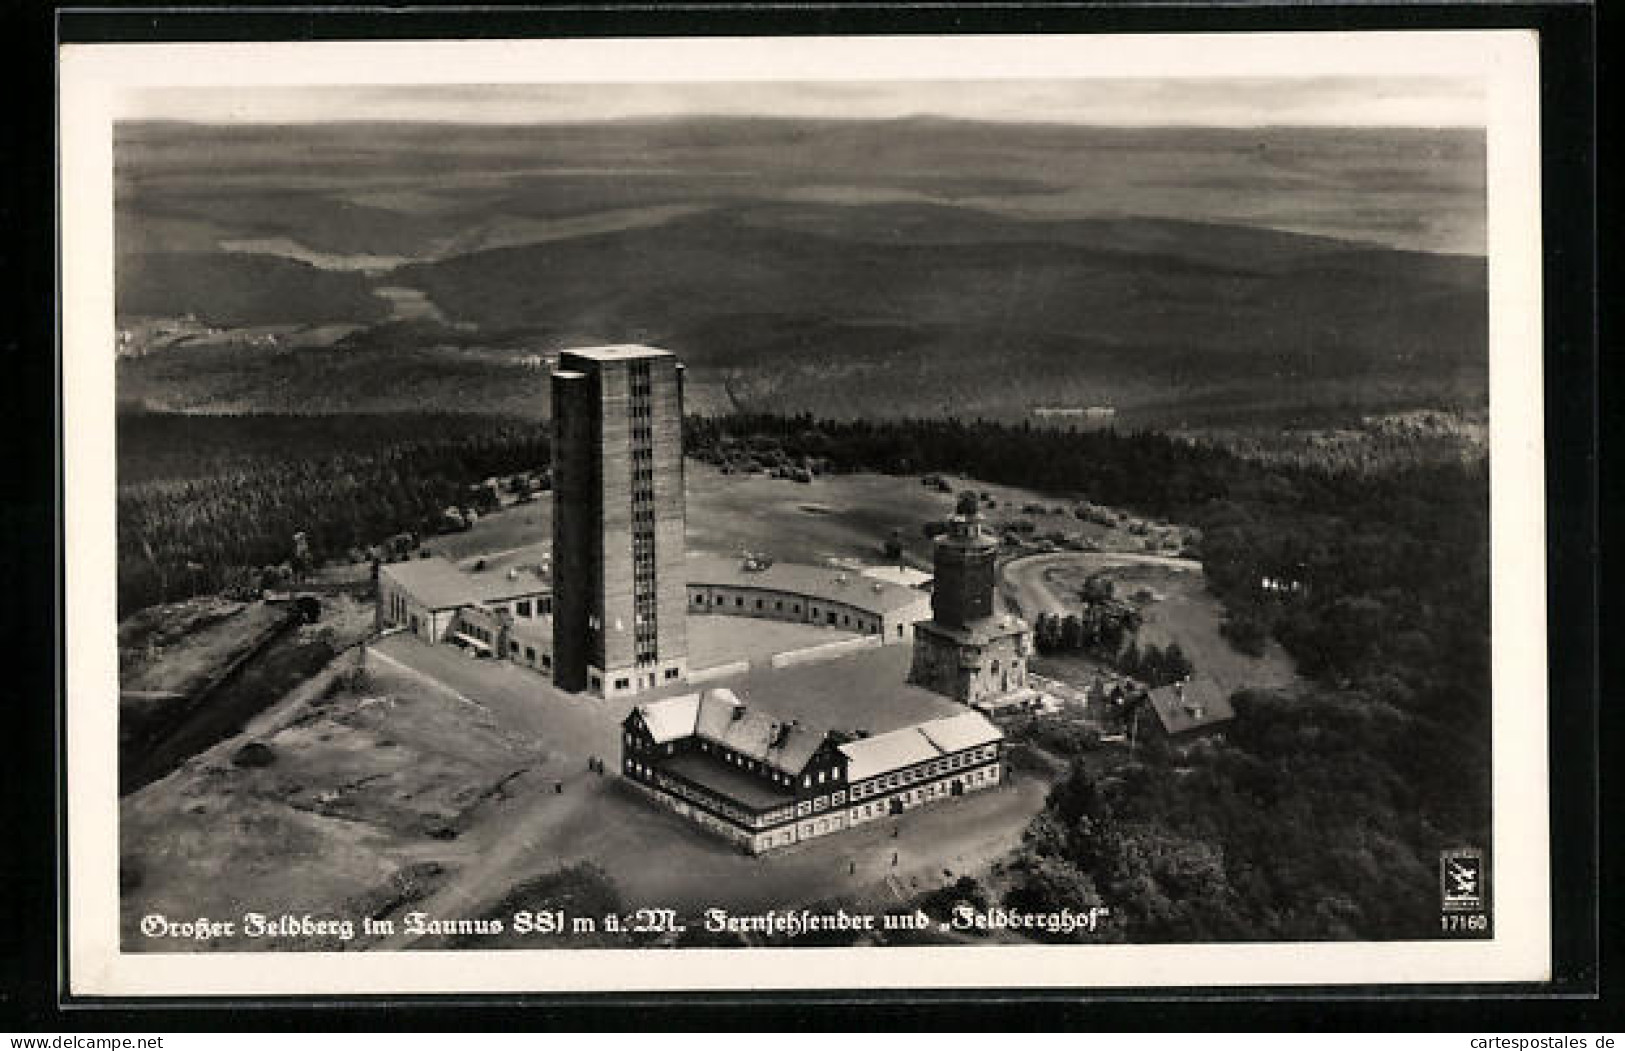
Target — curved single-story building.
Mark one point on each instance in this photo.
(836, 598)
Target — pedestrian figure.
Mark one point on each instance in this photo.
(894, 859)
(852, 868)
(558, 788)
(894, 832)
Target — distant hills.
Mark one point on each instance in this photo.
(844, 268)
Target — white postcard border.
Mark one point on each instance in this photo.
(95, 83)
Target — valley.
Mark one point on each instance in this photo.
(847, 269)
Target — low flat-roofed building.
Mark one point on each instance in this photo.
(530, 642)
(766, 783)
(837, 598)
(436, 601)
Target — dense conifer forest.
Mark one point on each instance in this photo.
(207, 503)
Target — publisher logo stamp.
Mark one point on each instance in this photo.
(1461, 879)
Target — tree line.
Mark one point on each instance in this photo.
(217, 500)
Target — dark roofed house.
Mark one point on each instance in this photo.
(765, 782)
(1190, 708)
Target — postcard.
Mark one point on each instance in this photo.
(794, 513)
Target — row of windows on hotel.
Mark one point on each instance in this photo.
(746, 763)
(778, 606)
(743, 762)
(924, 772)
(925, 793)
(721, 804)
(910, 775)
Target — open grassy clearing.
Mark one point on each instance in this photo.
(1177, 607)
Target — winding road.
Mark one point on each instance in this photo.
(1023, 578)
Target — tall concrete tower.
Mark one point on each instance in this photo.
(967, 650)
(619, 598)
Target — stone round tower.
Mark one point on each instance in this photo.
(965, 557)
(968, 651)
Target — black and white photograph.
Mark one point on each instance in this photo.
(627, 514)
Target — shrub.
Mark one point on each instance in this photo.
(254, 754)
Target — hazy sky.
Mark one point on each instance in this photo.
(1364, 101)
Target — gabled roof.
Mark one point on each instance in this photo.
(1190, 705)
(872, 756)
(869, 756)
(783, 746)
(671, 719)
(959, 732)
(720, 717)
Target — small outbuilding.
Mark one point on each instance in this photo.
(1189, 709)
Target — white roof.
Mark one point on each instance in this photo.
(872, 756)
(672, 718)
(959, 732)
(618, 352)
(880, 754)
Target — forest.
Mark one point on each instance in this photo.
(207, 503)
